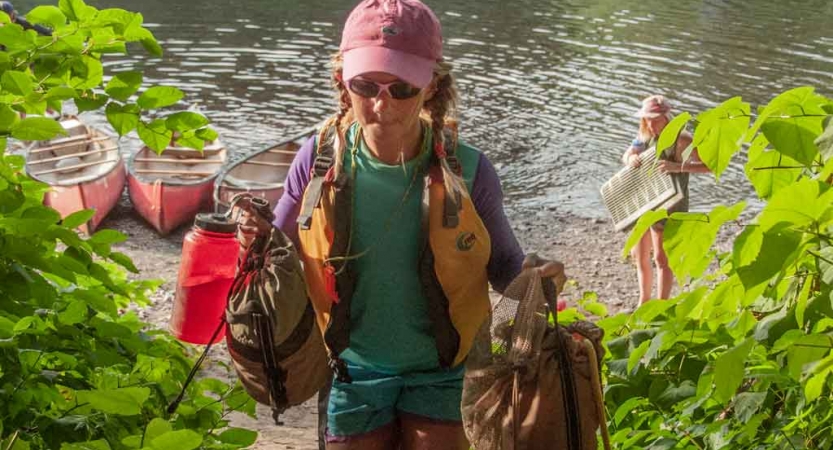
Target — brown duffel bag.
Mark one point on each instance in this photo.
(531, 384)
(273, 338)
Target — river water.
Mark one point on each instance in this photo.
(548, 87)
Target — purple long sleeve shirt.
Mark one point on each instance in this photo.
(486, 193)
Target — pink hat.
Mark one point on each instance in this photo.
(654, 106)
(399, 37)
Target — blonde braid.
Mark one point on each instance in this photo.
(441, 110)
(344, 117)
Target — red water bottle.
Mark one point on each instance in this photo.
(209, 262)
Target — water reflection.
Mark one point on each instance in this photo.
(548, 88)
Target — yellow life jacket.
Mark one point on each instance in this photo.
(455, 252)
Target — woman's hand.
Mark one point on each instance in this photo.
(670, 167)
(249, 223)
(633, 160)
(547, 269)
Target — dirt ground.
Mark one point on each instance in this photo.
(590, 250)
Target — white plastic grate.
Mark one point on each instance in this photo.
(634, 191)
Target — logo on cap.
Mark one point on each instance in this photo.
(390, 30)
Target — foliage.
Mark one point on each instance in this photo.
(743, 358)
(78, 368)
(39, 73)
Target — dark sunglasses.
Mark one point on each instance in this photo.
(398, 90)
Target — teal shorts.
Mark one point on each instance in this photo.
(374, 400)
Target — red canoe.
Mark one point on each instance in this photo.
(168, 190)
(262, 173)
(84, 171)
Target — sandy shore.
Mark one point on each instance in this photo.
(590, 249)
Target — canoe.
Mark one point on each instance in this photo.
(262, 173)
(84, 171)
(168, 190)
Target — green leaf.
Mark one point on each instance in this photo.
(642, 225)
(123, 85)
(90, 445)
(37, 129)
(747, 404)
(151, 46)
(76, 10)
(179, 440)
(189, 140)
(669, 135)
(47, 14)
(92, 102)
(207, 134)
(124, 261)
(159, 97)
(720, 133)
(61, 93)
(815, 385)
(806, 350)
(793, 120)
(155, 135)
(79, 218)
(747, 246)
(123, 118)
(826, 265)
(17, 83)
(688, 238)
(764, 168)
(238, 436)
(635, 357)
(16, 40)
(777, 250)
(108, 237)
(157, 427)
(186, 121)
(825, 141)
(8, 118)
(800, 204)
(76, 312)
(89, 73)
(729, 370)
(120, 402)
(801, 301)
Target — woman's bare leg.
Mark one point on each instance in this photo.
(384, 438)
(665, 277)
(425, 434)
(641, 254)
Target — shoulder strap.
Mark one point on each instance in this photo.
(324, 160)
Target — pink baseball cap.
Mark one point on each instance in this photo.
(654, 106)
(399, 37)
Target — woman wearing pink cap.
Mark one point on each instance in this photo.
(654, 116)
(402, 229)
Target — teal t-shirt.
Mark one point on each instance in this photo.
(390, 328)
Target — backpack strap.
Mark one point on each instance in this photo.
(324, 161)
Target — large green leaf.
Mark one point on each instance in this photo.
(808, 349)
(123, 118)
(123, 85)
(159, 97)
(669, 134)
(793, 120)
(720, 133)
(88, 73)
(238, 436)
(157, 427)
(729, 370)
(16, 40)
(120, 402)
(179, 440)
(155, 135)
(798, 205)
(18, 83)
(76, 9)
(186, 121)
(78, 218)
(769, 171)
(642, 225)
(688, 238)
(777, 250)
(47, 14)
(37, 129)
(8, 117)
